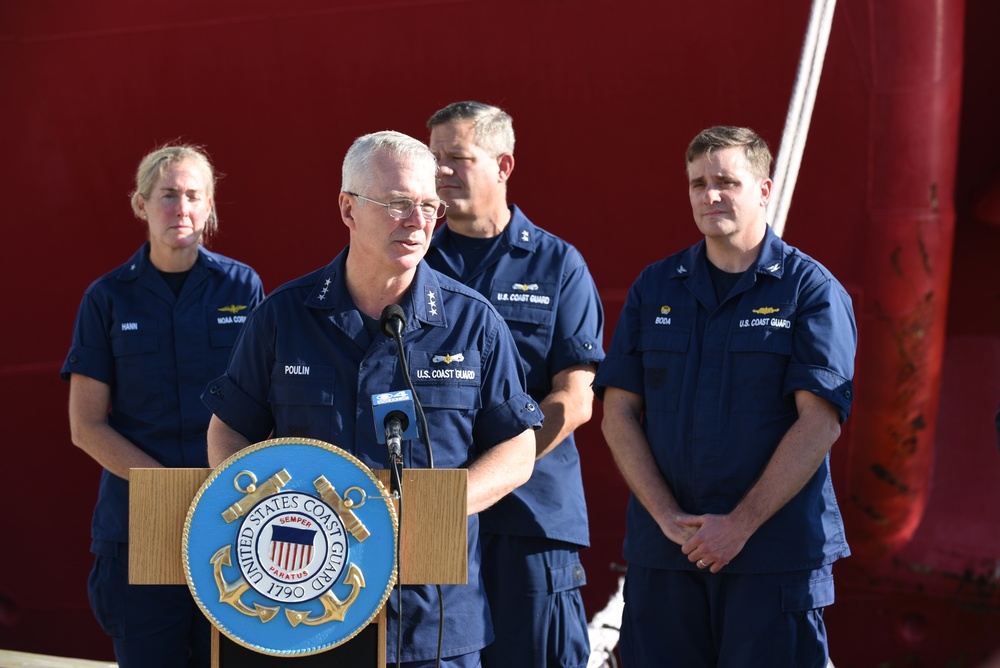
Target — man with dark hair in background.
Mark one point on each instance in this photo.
(727, 380)
(541, 286)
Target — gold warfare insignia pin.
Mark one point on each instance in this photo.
(449, 358)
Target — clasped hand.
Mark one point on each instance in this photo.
(709, 541)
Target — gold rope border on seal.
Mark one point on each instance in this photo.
(225, 466)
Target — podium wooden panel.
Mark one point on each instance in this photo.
(158, 503)
(433, 534)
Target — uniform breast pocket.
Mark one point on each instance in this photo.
(448, 386)
(525, 321)
(140, 384)
(302, 399)
(664, 354)
(223, 337)
(221, 341)
(450, 397)
(759, 360)
(528, 308)
(449, 410)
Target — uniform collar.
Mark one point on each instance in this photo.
(330, 291)
(426, 302)
(139, 263)
(423, 303)
(520, 231)
(770, 262)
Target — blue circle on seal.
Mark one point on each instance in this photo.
(289, 547)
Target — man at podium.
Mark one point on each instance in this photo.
(313, 354)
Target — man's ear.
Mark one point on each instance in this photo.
(765, 191)
(506, 164)
(347, 211)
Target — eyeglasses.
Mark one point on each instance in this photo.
(401, 209)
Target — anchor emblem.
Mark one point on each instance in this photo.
(333, 608)
(290, 546)
(231, 592)
(288, 538)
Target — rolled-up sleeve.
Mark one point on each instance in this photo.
(824, 346)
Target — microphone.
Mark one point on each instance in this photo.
(394, 412)
(392, 321)
(395, 419)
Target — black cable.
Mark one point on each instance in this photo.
(440, 623)
(430, 464)
(416, 400)
(392, 323)
(397, 482)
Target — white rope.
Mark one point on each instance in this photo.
(604, 630)
(800, 108)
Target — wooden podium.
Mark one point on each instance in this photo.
(432, 550)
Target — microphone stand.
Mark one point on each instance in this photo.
(396, 485)
(393, 441)
(392, 323)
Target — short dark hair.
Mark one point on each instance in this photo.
(494, 128)
(758, 155)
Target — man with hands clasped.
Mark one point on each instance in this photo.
(727, 380)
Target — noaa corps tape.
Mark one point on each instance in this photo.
(289, 547)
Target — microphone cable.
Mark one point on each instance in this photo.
(397, 483)
(392, 323)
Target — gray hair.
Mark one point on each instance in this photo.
(758, 155)
(152, 167)
(358, 172)
(494, 128)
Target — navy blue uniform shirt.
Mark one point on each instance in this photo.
(541, 286)
(718, 381)
(306, 366)
(156, 352)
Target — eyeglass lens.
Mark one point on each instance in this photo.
(403, 208)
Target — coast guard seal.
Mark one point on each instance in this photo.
(289, 547)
